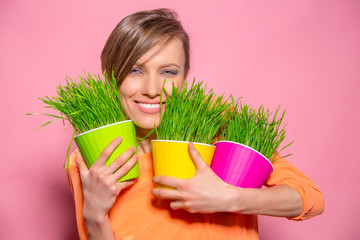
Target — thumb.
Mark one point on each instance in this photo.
(80, 162)
(196, 157)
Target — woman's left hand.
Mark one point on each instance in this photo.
(203, 193)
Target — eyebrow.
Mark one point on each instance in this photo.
(162, 66)
(169, 65)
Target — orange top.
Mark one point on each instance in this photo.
(137, 215)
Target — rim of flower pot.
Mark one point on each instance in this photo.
(248, 148)
(108, 125)
(161, 140)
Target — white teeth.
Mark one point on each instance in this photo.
(147, 105)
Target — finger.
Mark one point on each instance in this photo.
(169, 181)
(105, 154)
(80, 162)
(196, 157)
(177, 205)
(125, 184)
(125, 168)
(164, 193)
(120, 160)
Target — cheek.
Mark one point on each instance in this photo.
(127, 89)
(177, 83)
(125, 93)
(122, 96)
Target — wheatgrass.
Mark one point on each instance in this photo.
(88, 103)
(257, 129)
(192, 114)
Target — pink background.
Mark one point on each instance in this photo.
(304, 55)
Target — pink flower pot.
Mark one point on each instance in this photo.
(240, 165)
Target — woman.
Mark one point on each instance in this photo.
(144, 49)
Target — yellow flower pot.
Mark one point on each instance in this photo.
(171, 158)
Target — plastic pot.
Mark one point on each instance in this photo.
(171, 158)
(93, 142)
(240, 165)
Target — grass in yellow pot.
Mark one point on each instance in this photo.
(92, 106)
(190, 115)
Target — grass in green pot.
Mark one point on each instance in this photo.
(256, 128)
(89, 103)
(192, 114)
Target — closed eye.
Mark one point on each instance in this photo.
(135, 71)
(170, 72)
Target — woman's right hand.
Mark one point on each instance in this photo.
(100, 183)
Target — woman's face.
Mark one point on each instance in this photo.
(140, 91)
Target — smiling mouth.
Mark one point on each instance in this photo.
(148, 105)
(149, 108)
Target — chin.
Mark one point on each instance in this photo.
(147, 124)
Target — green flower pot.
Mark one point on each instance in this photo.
(93, 142)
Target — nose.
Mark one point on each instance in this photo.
(152, 86)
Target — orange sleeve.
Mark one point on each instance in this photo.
(73, 176)
(285, 173)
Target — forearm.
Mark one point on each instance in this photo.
(280, 201)
(99, 228)
(97, 224)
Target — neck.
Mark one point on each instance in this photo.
(144, 133)
(145, 145)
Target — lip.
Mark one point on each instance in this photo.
(148, 110)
